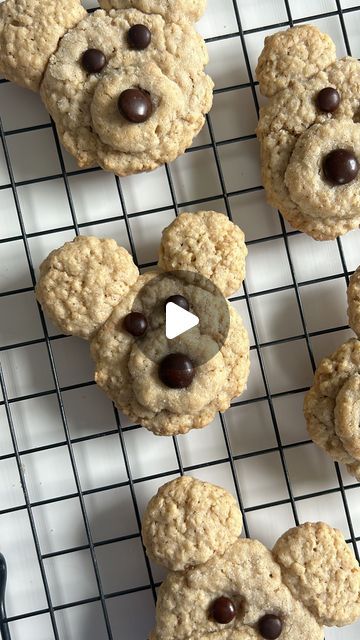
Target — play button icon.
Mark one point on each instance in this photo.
(186, 314)
(178, 321)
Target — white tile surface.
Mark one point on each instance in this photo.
(20, 109)
(325, 304)
(251, 428)
(267, 525)
(322, 258)
(45, 206)
(252, 213)
(228, 120)
(227, 64)
(25, 591)
(277, 315)
(52, 523)
(63, 575)
(49, 427)
(28, 165)
(20, 320)
(9, 224)
(288, 366)
(256, 14)
(14, 273)
(195, 449)
(122, 565)
(100, 462)
(267, 266)
(149, 455)
(241, 166)
(262, 479)
(306, 8)
(42, 474)
(111, 514)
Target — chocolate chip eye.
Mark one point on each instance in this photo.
(135, 324)
(180, 301)
(93, 60)
(328, 100)
(223, 610)
(270, 627)
(340, 167)
(139, 37)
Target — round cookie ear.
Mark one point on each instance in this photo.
(82, 282)
(193, 9)
(354, 302)
(188, 522)
(30, 31)
(207, 243)
(295, 54)
(320, 571)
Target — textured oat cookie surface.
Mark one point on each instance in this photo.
(89, 287)
(23, 57)
(82, 282)
(354, 302)
(338, 603)
(311, 577)
(190, 247)
(130, 377)
(44, 50)
(194, 9)
(188, 522)
(332, 404)
(296, 135)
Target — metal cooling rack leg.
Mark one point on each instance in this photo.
(4, 627)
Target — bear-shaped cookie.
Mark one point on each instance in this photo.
(91, 288)
(332, 406)
(309, 132)
(125, 85)
(222, 587)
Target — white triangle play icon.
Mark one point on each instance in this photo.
(178, 320)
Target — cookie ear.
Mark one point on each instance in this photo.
(321, 571)
(295, 54)
(188, 522)
(30, 31)
(82, 282)
(354, 302)
(193, 9)
(207, 243)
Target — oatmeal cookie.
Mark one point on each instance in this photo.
(125, 86)
(91, 288)
(224, 587)
(309, 132)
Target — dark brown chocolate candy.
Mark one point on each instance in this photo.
(340, 167)
(139, 37)
(176, 371)
(270, 627)
(135, 105)
(180, 301)
(223, 610)
(135, 324)
(328, 100)
(93, 60)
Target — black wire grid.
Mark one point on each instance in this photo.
(103, 598)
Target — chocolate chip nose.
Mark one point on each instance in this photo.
(135, 105)
(176, 371)
(341, 166)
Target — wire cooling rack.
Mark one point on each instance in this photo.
(75, 475)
